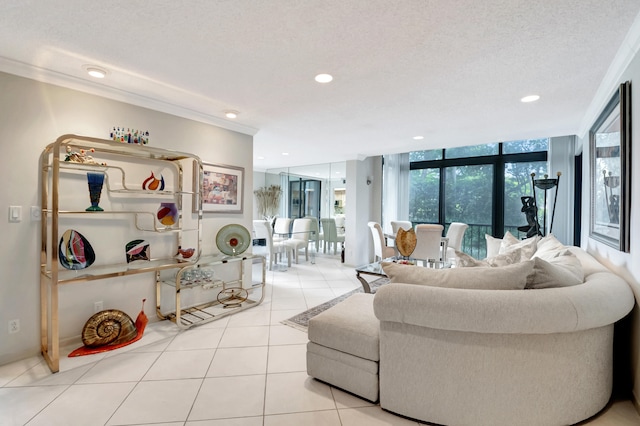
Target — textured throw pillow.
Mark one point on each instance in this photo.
(464, 260)
(564, 259)
(548, 245)
(493, 245)
(511, 277)
(549, 275)
(527, 247)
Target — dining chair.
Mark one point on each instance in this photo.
(262, 230)
(300, 237)
(315, 235)
(455, 234)
(281, 229)
(429, 239)
(330, 235)
(397, 224)
(380, 248)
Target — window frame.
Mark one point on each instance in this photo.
(498, 161)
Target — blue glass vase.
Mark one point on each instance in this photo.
(96, 180)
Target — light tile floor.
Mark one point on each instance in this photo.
(244, 370)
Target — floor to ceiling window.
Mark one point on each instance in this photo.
(479, 185)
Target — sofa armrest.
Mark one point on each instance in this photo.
(603, 299)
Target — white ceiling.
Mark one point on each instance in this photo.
(452, 71)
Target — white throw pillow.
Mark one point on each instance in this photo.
(493, 245)
(511, 277)
(549, 275)
(548, 243)
(527, 247)
(464, 260)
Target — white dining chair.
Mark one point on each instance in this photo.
(315, 235)
(330, 235)
(281, 229)
(429, 238)
(262, 230)
(300, 234)
(397, 224)
(380, 248)
(455, 235)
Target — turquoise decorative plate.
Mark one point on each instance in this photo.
(233, 239)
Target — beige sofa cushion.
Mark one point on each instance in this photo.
(550, 275)
(511, 277)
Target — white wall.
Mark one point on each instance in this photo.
(33, 115)
(364, 204)
(626, 264)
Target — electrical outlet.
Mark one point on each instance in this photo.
(35, 213)
(98, 306)
(14, 326)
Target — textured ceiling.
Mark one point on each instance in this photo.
(452, 71)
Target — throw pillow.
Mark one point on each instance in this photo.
(564, 259)
(527, 247)
(511, 277)
(493, 245)
(464, 260)
(548, 275)
(548, 244)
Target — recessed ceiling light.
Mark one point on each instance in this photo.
(530, 98)
(285, 153)
(231, 114)
(418, 138)
(95, 72)
(261, 158)
(324, 78)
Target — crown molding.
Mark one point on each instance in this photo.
(43, 75)
(613, 77)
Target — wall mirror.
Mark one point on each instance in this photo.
(610, 149)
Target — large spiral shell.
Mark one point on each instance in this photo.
(109, 327)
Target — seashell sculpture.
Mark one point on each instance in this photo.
(406, 242)
(110, 329)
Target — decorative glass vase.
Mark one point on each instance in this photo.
(95, 180)
(167, 214)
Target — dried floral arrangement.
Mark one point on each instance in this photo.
(268, 200)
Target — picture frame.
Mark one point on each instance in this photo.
(222, 188)
(610, 172)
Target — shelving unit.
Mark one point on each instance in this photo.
(218, 297)
(129, 209)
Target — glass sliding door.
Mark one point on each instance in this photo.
(304, 198)
(468, 198)
(424, 195)
(517, 184)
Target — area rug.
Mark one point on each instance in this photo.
(301, 321)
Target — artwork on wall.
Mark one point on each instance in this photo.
(610, 172)
(222, 188)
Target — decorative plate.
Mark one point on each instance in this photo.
(137, 250)
(74, 251)
(406, 241)
(233, 239)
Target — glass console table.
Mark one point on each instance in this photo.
(211, 288)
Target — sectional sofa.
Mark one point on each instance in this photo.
(511, 341)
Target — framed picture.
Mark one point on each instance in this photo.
(222, 188)
(610, 169)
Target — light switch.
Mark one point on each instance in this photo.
(15, 213)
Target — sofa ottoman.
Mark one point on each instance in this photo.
(343, 348)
